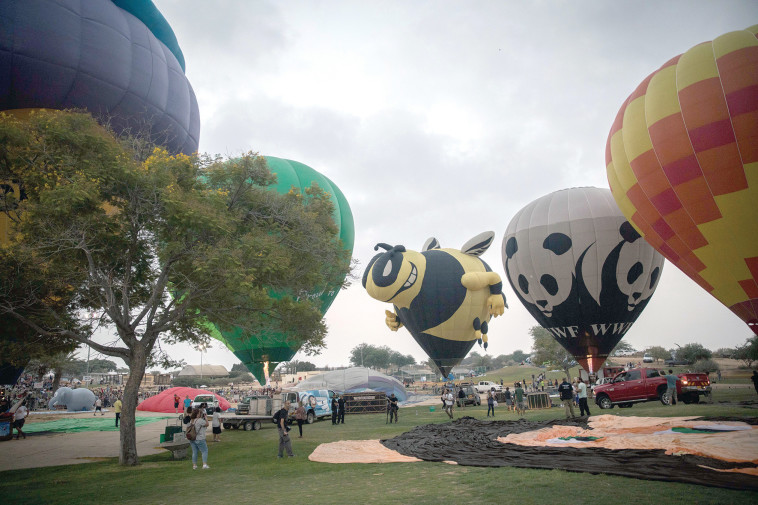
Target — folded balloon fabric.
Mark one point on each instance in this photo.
(638, 447)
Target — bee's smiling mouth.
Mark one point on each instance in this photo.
(410, 281)
(411, 278)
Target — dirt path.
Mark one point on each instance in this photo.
(53, 449)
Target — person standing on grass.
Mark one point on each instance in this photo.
(671, 387)
(216, 424)
(300, 417)
(449, 400)
(491, 402)
(393, 407)
(582, 387)
(284, 437)
(567, 397)
(335, 406)
(341, 410)
(200, 423)
(117, 406)
(518, 394)
(176, 403)
(754, 378)
(508, 399)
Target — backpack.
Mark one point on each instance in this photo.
(191, 433)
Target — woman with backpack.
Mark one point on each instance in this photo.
(196, 436)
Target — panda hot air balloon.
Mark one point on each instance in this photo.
(682, 163)
(444, 297)
(580, 269)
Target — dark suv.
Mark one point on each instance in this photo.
(472, 397)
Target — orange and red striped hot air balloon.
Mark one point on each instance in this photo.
(682, 163)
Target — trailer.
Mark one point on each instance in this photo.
(252, 413)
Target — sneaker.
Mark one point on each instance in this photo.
(194, 467)
(206, 467)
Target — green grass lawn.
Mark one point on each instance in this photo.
(245, 469)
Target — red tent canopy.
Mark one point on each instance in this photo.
(164, 401)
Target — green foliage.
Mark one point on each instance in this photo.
(622, 348)
(548, 350)
(748, 352)
(372, 356)
(705, 365)
(692, 353)
(658, 353)
(105, 230)
(724, 352)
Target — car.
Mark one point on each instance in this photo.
(472, 397)
(647, 358)
(484, 386)
(600, 382)
(210, 400)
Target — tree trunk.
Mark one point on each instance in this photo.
(57, 379)
(137, 364)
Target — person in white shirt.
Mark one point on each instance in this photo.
(449, 400)
(19, 417)
(98, 406)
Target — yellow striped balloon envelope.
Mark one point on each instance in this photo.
(682, 163)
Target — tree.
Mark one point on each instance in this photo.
(705, 366)
(692, 353)
(370, 356)
(519, 355)
(547, 349)
(622, 349)
(102, 366)
(724, 352)
(102, 231)
(399, 360)
(748, 352)
(658, 353)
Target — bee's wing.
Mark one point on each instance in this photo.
(479, 244)
(431, 243)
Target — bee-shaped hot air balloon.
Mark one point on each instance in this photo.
(445, 297)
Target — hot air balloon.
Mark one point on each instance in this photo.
(263, 350)
(682, 158)
(444, 297)
(119, 58)
(580, 269)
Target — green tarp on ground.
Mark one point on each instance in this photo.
(84, 424)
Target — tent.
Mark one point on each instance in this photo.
(355, 380)
(164, 401)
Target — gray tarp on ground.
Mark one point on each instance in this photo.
(473, 442)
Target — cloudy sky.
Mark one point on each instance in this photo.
(442, 118)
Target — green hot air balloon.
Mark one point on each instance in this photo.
(272, 347)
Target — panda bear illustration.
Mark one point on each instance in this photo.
(580, 269)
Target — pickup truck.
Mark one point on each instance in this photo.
(484, 386)
(649, 384)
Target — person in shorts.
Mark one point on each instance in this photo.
(508, 398)
(216, 424)
(19, 418)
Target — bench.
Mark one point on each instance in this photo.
(178, 446)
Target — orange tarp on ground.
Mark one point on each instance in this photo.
(616, 432)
